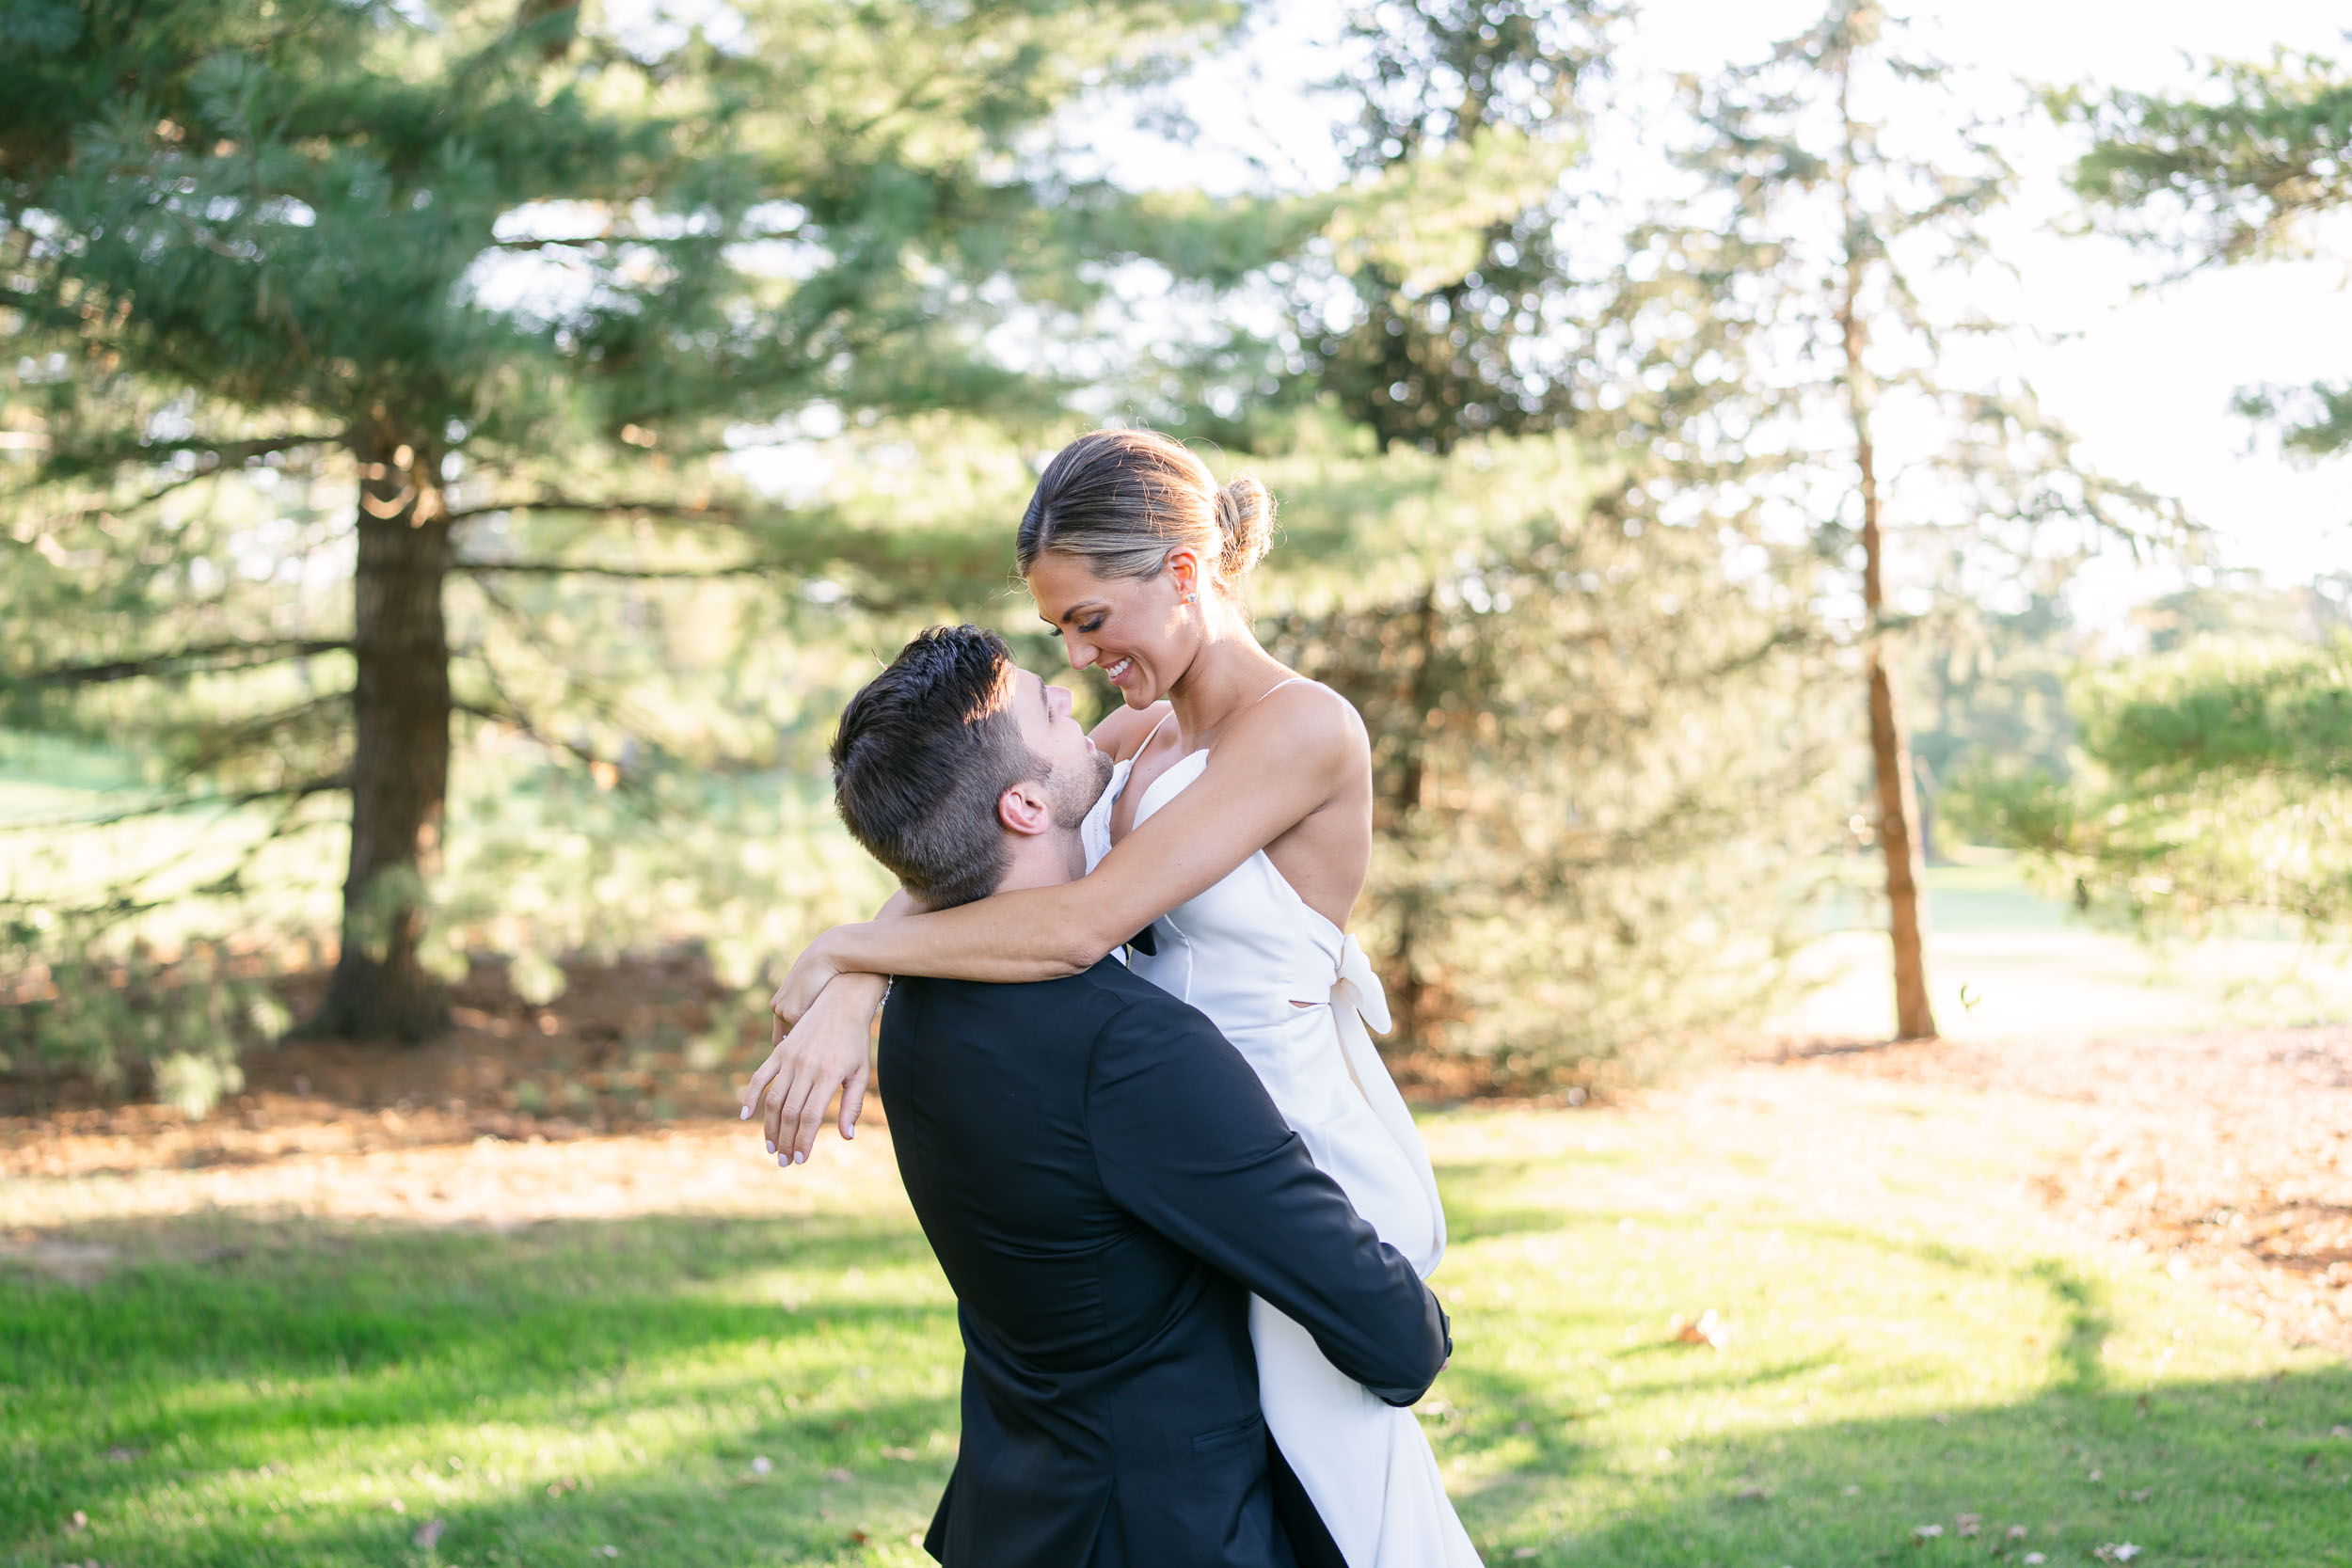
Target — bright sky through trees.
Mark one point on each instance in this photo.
(2144, 374)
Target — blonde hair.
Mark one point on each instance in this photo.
(1121, 499)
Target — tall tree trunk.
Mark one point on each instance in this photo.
(1890, 750)
(1890, 761)
(400, 760)
(1890, 767)
(1411, 998)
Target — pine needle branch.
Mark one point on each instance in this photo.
(206, 659)
(586, 568)
(704, 511)
(222, 453)
(322, 785)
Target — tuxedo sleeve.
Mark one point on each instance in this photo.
(1186, 1140)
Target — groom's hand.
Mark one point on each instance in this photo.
(825, 1050)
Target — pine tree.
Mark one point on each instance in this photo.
(499, 273)
(1565, 887)
(1469, 111)
(2235, 175)
(1828, 260)
(2209, 787)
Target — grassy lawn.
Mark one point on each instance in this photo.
(1912, 1345)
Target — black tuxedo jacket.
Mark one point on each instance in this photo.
(1103, 1181)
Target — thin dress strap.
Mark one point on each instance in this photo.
(1243, 708)
(1095, 831)
(1136, 754)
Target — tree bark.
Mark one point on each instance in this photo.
(1890, 750)
(399, 758)
(1410, 996)
(1890, 761)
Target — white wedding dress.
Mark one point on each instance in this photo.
(1247, 952)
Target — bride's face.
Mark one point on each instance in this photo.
(1135, 630)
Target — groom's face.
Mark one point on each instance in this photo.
(1075, 770)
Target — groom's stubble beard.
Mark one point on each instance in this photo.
(1070, 794)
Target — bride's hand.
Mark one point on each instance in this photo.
(827, 1048)
(807, 976)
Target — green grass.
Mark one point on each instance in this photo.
(1876, 1387)
(1992, 896)
(545, 1392)
(1910, 1344)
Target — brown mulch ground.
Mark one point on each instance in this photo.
(628, 1046)
(2227, 1155)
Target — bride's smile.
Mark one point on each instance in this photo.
(1130, 630)
(1141, 633)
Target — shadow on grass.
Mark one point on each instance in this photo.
(2236, 1472)
(2250, 1471)
(245, 1392)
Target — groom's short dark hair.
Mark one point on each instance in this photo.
(924, 751)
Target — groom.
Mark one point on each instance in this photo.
(1102, 1176)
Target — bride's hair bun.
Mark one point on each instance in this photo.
(1244, 523)
(1122, 499)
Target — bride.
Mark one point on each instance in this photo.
(1226, 851)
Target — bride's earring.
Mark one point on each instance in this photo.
(1192, 598)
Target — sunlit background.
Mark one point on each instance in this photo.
(1528, 327)
(1870, 957)
(2143, 369)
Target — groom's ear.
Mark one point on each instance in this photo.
(1025, 809)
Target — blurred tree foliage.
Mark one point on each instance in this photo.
(2212, 783)
(1603, 779)
(1426, 300)
(2242, 172)
(2185, 767)
(521, 278)
(1995, 685)
(1992, 687)
(2209, 780)
(2240, 607)
(1448, 316)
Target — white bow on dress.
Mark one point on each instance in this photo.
(1358, 986)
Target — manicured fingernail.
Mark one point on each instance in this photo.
(800, 1157)
(849, 1132)
(772, 1145)
(746, 1115)
(783, 1160)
